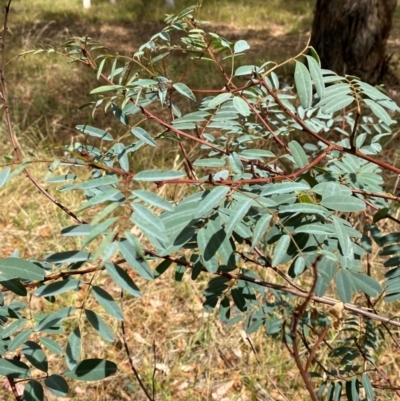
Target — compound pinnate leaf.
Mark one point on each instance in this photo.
(92, 370)
(99, 325)
(13, 368)
(57, 385)
(35, 355)
(107, 302)
(15, 267)
(33, 391)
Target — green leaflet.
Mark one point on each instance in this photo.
(241, 46)
(158, 175)
(98, 182)
(73, 349)
(369, 391)
(238, 212)
(343, 286)
(316, 75)
(14, 369)
(140, 133)
(58, 287)
(135, 260)
(153, 199)
(107, 302)
(15, 267)
(241, 106)
(57, 385)
(99, 325)
(260, 228)
(343, 203)
(219, 99)
(184, 90)
(13, 327)
(366, 284)
(281, 249)
(51, 345)
(35, 355)
(303, 84)
(121, 277)
(211, 201)
(284, 188)
(33, 391)
(4, 176)
(208, 249)
(92, 370)
(96, 132)
(298, 154)
(54, 318)
(339, 103)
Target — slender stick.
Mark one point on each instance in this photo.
(128, 354)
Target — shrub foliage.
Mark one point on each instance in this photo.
(277, 202)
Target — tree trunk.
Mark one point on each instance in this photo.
(350, 37)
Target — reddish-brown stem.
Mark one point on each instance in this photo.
(297, 315)
(315, 347)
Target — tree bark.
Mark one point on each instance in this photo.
(350, 37)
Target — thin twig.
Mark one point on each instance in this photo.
(128, 354)
(297, 315)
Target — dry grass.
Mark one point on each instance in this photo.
(187, 353)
